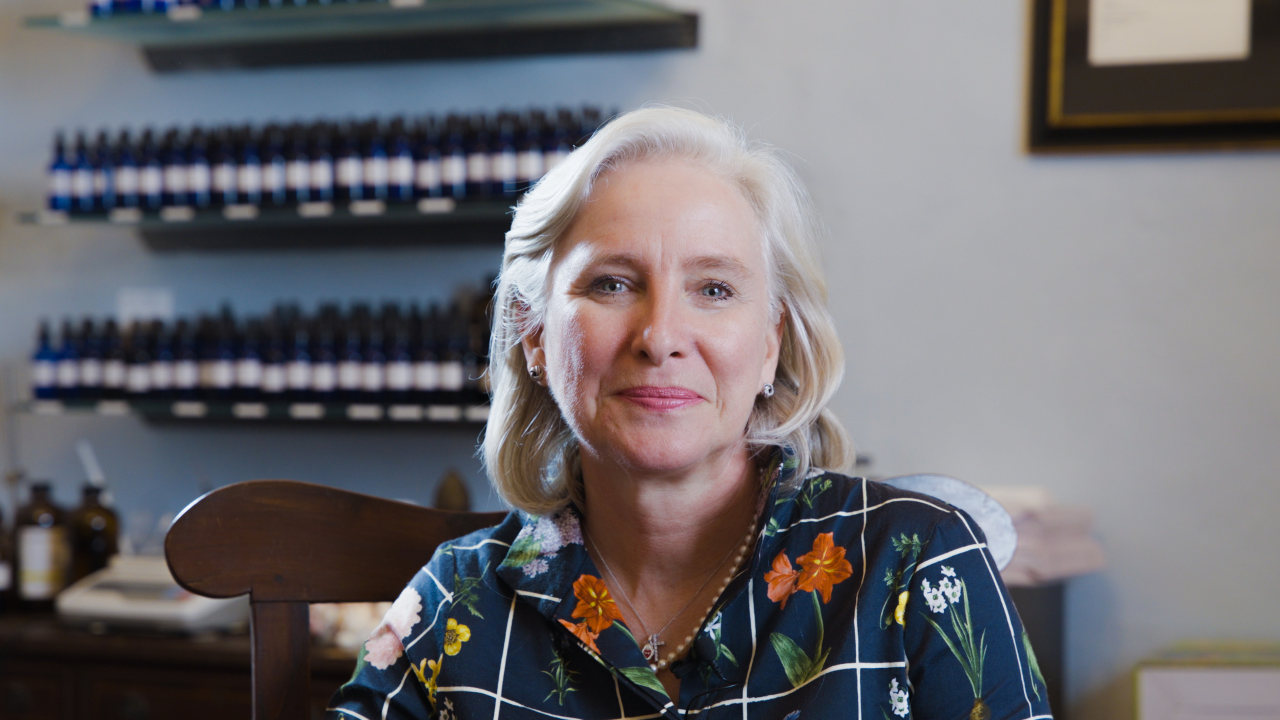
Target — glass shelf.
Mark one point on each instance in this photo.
(188, 38)
(434, 221)
(258, 412)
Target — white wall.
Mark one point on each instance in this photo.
(1106, 327)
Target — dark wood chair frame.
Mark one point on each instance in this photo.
(287, 544)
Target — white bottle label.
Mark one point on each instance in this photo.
(206, 373)
(224, 178)
(324, 377)
(299, 375)
(152, 180)
(504, 166)
(529, 165)
(113, 372)
(68, 373)
(43, 554)
(299, 175)
(426, 376)
(478, 167)
(186, 375)
(223, 374)
(349, 174)
(451, 376)
(60, 183)
(272, 177)
(373, 377)
(250, 180)
(249, 373)
(402, 171)
(90, 372)
(321, 175)
(138, 380)
(82, 183)
(199, 178)
(453, 170)
(399, 376)
(350, 375)
(44, 373)
(127, 180)
(101, 182)
(175, 178)
(273, 379)
(376, 171)
(428, 175)
(162, 375)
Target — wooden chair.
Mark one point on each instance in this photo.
(287, 544)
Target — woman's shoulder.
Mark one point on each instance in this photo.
(824, 492)
(472, 553)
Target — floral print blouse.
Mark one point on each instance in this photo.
(860, 601)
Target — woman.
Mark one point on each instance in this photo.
(661, 364)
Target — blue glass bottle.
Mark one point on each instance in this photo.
(453, 158)
(504, 158)
(321, 167)
(274, 362)
(249, 366)
(59, 177)
(324, 364)
(82, 177)
(69, 363)
(274, 169)
(162, 363)
(175, 170)
(559, 141)
(90, 361)
(115, 362)
(400, 365)
(298, 372)
(479, 181)
(529, 152)
(224, 169)
(402, 165)
(249, 171)
(128, 179)
(104, 174)
(199, 172)
(151, 173)
(298, 173)
(350, 170)
(186, 362)
(223, 371)
(351, 364)
(427, 179)
(44, 366)
(138, 379)
(376, 170)
(373, 374)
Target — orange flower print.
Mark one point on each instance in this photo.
(781, 579)
(823, 567)
(583, 633)
(595, 604)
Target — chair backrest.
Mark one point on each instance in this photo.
(287, 544)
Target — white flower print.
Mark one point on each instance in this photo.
(948, 571)
(536, 567)
(933, 596)
(898, 696)
(447, 712)
(714, 625)
(383, 646)
(950, 589)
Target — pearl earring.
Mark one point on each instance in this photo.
(768, 390)
(536, 372)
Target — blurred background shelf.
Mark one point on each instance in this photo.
(258, 412)
(370, 32)
(438, 221)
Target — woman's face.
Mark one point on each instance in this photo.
(658, 335)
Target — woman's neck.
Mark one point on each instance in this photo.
(662, 535)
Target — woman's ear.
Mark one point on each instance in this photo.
(773, 348)
(531, 342)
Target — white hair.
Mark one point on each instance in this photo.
(529, 450)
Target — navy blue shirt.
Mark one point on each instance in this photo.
(860, 601)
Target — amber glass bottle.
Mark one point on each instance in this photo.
(95, 533)
(41, 550)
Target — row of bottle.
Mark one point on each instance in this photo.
(393, 356)
(103, 8)
(50, 548)
(457, 156)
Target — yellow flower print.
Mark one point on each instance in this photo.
(420, 671)
(454, 635)
(900, 613)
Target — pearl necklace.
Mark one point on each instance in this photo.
(650, 649)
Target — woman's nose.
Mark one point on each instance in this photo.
(661, 330)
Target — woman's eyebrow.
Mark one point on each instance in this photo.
(722, 263)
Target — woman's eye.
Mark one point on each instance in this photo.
(715, 291)
(610, 285)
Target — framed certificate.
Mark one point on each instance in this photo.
(1134, 75)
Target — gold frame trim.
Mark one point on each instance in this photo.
(1056, 117)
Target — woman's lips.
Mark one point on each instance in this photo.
(661, 398)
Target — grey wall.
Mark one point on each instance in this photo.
(1106, 327)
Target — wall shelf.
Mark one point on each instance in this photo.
(369, 32)
(437, 221)
(259, 412)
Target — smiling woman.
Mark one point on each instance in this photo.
(661, 363)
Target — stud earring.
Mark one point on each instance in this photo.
(536, 373)
(768, 390)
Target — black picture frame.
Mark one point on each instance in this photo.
(1075, 107)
